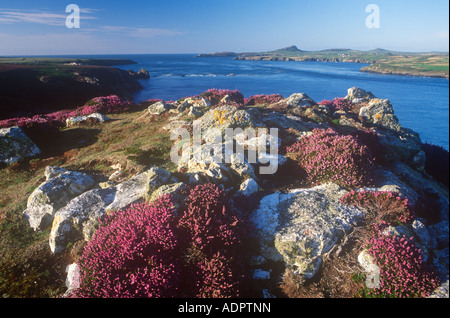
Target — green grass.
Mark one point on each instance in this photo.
(62, 61)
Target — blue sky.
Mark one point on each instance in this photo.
(30, 27)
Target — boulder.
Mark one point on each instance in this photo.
(403, 146)
(357, 95)
(73, 278)
(70, 222)
(60, 187)
(440, 234)
(82, 119)
(301, 226)
(15, 145)
(195, 112)
(155, 178)
(158, 108)
(442, 291)
(418, 181)
(380, 112)
(299, 100)
(78, 219)
(218, 119)
(248, 187)
(129, 191)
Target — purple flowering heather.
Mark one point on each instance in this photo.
(262, 99)
(132, 254)
(403, 273)
(215, 95)
(326, 156)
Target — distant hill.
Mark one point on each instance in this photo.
(291, 49)
(380, 60)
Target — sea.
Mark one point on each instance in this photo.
(420, 103)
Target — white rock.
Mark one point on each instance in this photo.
(248, 187)
(76, 120)
(53, 194)
(301, 226)
(15, 145)
(73, 276)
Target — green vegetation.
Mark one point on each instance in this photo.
(380, 60)
(63, 61)
(417, 64)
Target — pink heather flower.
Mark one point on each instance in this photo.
(326, 156)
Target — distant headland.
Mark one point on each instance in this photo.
(433, 64)
(32, 85)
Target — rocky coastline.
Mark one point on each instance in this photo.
(302, 223)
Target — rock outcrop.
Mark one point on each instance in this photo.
(15, 145)
(95, 117)
(60, 187)
(296, 224)
(77, 219)
(300, 226)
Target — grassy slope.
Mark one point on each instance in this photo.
(27, 267)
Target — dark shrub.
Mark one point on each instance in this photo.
(437, 162)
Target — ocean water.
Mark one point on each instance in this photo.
(421, 104)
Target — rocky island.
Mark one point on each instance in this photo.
(380, 60)
(101, 210)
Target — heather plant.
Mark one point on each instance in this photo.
(342, 104)
(112, 104)
(381, 206)
(211, 234)
(40, 123)
(132, 254)
(215, 95)
(326, 156)
(210, 225)
(338, 103)
(262, 99)
(149, 251)
(403, 272)
(215, 274)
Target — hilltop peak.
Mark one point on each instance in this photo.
(292, 48)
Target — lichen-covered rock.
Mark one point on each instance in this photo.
(248, 187)
(69, 222)
(129, 191)
(380, 112)
(177, 191)
(55, 193)
(158, 108)
(442, 291)
(78, 218)
(299, 227)
(222, 117)
(403, 146)
(356, 94)
(81, 119)
(155, 178)
(15, 145)
(299, 100)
